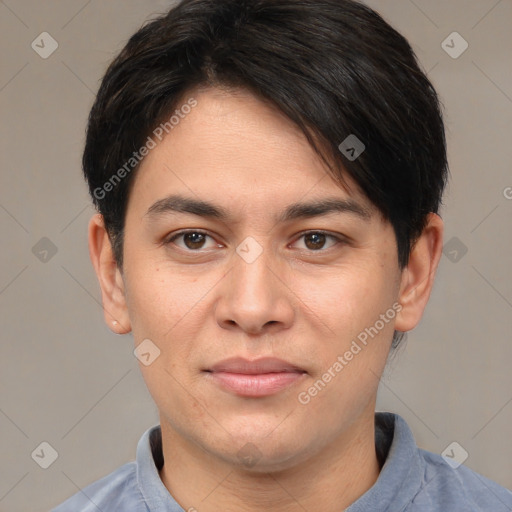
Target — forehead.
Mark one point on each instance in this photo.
(240, 150)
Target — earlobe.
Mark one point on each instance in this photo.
(109, 277)
(418, 277)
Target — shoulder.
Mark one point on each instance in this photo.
(116, 491)
(457, 489)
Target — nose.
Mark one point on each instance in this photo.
(256, 297)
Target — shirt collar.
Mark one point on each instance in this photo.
(149, 462)
(399, 479)
(402, 473)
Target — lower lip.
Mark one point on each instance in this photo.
(263, 384)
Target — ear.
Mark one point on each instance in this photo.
(418, 277)
(109, 277)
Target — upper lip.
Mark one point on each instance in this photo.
(255, 367)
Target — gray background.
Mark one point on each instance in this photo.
(67, 380)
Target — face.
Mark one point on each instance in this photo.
(255, 278)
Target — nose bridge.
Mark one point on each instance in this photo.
(252, 275)
(253, 295)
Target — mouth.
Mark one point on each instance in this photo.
(257, 378)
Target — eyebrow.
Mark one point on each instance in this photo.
(181, 204)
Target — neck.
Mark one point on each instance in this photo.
(330, 480)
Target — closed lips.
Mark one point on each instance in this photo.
(255, 367)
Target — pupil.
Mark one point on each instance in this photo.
(195, 238)
(318, 240)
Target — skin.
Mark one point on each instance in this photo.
(301, 300)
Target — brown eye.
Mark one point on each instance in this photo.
(192, 240)
(316, 240)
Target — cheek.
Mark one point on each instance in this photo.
(173, 309)
(159, 297)
(165, 307)
(349, 298)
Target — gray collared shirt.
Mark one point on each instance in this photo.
(411, 480)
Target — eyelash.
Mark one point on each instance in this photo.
(338, 239)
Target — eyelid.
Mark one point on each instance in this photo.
(337, 237)
(169, 239)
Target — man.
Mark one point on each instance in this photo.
(268, 176)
